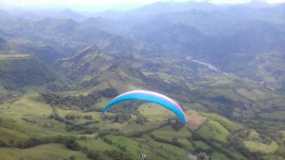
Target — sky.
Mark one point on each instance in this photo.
(101, 4)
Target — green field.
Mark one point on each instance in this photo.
(42, 152)
(30, 131)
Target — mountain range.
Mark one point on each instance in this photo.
(224, 63)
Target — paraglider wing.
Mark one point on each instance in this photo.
(152, 97)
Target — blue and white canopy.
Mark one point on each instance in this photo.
(152, 97)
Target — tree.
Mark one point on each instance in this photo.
(202, 156)
(71, 144)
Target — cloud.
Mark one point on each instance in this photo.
(229, 1)
(276, 1)
(246, 1)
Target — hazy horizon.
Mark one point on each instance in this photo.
(96, 5)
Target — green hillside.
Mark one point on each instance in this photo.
(31, 125)
(20, 70)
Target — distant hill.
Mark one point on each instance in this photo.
(19, 71)
(2, 43)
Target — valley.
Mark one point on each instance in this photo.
(57, 74)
